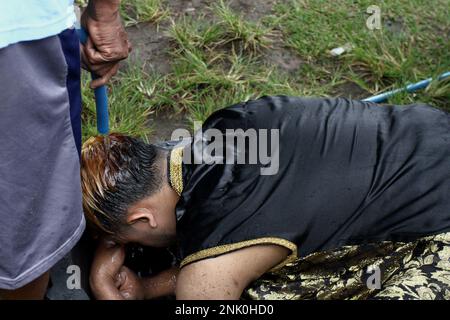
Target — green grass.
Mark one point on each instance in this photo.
(228, 27)
(128, 108)
(201, 82)
(219, 57)
(136, 11)
(381, 59)
(190, 34)
(235, 27)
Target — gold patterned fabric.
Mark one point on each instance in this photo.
(175, 170)
(407, 271)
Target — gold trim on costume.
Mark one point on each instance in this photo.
(176, 173)
(218, 250)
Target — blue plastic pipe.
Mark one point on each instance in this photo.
(409, 88)
(101, 95)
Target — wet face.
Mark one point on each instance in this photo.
(152, 221)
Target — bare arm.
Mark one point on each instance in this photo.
(226, 276)
(160, 285)
(111, 280)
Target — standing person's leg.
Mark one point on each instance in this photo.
(40, 193)
(81, 254)
(35, 290)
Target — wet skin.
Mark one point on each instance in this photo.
(222, 277)
(35, 290)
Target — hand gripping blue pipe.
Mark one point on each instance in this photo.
(409, 88)
(101, 95)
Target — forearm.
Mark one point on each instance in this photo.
(106, 291)
(102, 10)
(160, 285)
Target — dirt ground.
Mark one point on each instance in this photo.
(151, 44)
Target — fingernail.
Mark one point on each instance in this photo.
(126, 295)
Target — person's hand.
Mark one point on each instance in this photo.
(129, 285)
(107, 43)
(105, 270)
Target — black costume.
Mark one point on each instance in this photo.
(350, 173)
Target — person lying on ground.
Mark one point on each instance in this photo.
(279, 198)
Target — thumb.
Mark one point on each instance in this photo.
(109, 258)
(117, 257)
(120, 279)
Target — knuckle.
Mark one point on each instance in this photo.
(91, 60)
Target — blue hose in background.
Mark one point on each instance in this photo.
(409, 88)
(101, 95)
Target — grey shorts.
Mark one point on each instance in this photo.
(41, 216)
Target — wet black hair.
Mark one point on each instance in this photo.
(117, 171)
